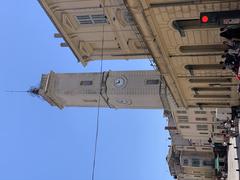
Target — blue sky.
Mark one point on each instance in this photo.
(41, 142)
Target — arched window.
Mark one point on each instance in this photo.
(203, 48)
(207, 80)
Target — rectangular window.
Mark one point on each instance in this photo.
(99, 19)
(196, 172)
(86, 83)
(185, 162)
(152, 81)
(184, 127)
(86, 19)
(200, 112)
(182, 117)
(203, 133)
(90, 100)
(183, 120)
(182, 112)
(202, 127)
(201, 119)
(195, 162)
(92, 19)
(207, 163)
(191, 148)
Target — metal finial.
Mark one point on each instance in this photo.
(32, 91)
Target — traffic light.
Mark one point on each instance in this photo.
(221, 18)
(209, 18)
(204, 19)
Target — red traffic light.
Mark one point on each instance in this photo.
(204, 19)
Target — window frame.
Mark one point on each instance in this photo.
(152, 82)
(194, 164)
(92, 19)
(202, 127)
(185, 162)
(184, 126)
(86, 83)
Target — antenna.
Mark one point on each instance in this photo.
(15, 91)
(33, 91)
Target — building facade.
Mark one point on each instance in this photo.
(199, 125)
(191, 165)
(186, 52)
(90, 28)
(190, 84)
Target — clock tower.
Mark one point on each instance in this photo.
(124, 89)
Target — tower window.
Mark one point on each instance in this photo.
(86, 83)
(152, 81)
(124, 101)
(92, 19)
(90, 100)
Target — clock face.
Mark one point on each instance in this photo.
(120, 82)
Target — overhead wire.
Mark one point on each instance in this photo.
(143, 46)
(99, 96)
